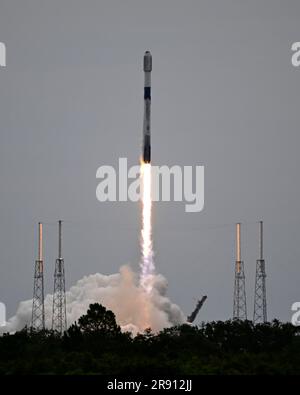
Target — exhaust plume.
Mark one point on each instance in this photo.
(134, 308)
(147, 263)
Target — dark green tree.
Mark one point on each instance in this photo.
(98, 319)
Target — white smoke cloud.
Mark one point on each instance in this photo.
(134, 308)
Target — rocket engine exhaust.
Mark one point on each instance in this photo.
(147, 262)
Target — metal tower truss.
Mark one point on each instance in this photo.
(239, 298)
(38, 309)
(260, 298)
(59, 315)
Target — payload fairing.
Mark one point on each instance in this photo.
(147, 108)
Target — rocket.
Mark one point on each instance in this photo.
(147, 108)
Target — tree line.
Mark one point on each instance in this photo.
(96, 345)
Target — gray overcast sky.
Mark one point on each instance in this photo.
(225, 95)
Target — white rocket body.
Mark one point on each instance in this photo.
(147, 108)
